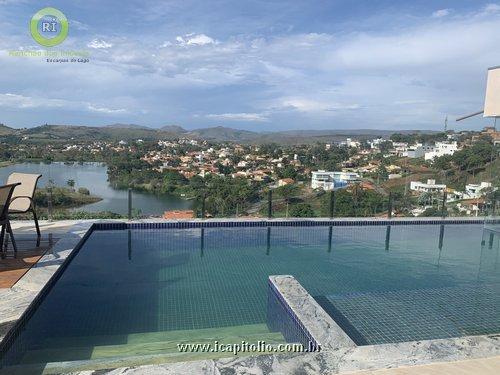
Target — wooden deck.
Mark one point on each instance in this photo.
(14, 266)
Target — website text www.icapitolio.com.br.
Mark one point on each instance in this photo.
(246, 347)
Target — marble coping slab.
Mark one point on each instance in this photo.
(324, 330)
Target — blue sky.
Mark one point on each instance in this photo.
(257, 65)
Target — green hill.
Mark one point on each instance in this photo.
(5, 130)
(129, 132)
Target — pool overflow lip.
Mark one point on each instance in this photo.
(318, 342)
(224, 223)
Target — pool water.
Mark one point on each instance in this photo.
(140, 292)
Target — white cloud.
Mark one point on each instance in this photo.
(441, 13)
(94, 108)
(20, 101)
(309, 105)
(256, 117)
(195, 40)
(410, 102)
(78, 25)
(424, 46)
(5, 2)
(402, 75)
(99, 44)
(10, 100)
(492, 8)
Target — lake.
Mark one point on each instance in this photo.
(94, 177)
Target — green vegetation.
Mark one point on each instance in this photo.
(355, 202)
(302, 210)
(432, 212)
(412, 138)
(78, 215)
(63, 197)
(177, 167)
(55, 134)
(319, 158)
(295, 201)
(461, 167)
(224, 196)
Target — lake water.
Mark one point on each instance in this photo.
(93, 176)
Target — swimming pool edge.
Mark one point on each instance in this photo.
(20, 301)
(306, 315)
(337, 360)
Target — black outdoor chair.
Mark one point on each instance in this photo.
(6, 192)
(23, 198)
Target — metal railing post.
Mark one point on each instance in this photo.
(270, 204)
(387, 238)
(389, 208)
(330, 235)
(203, 199)
(443, 207)
(130, 203)
(332, 204)
(49, 203)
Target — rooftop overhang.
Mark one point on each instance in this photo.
(492, 98)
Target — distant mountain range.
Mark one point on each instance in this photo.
(129, 132)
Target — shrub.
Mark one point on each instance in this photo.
(83, 191)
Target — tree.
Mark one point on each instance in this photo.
(224, 195)
(382, 172)
(71, 184)
(302, 210)
(443, 162)
(360, 202)
(172, 180)
(287, 172)
(83, 191)
(424, 199)
(431, 212)
(287, 191)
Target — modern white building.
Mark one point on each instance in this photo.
(416, 151)
(349, 142)
(399, 148)
(476, 190)
(441, 149)
(332, 180)
(429, 187)
(376, 142)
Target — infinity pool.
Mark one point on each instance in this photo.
(142, 291)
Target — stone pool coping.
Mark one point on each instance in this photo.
(16, 305)
(312, 318)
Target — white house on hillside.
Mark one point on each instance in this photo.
(473, 191)
(429, 187)
(332, 180)
(441, 149)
